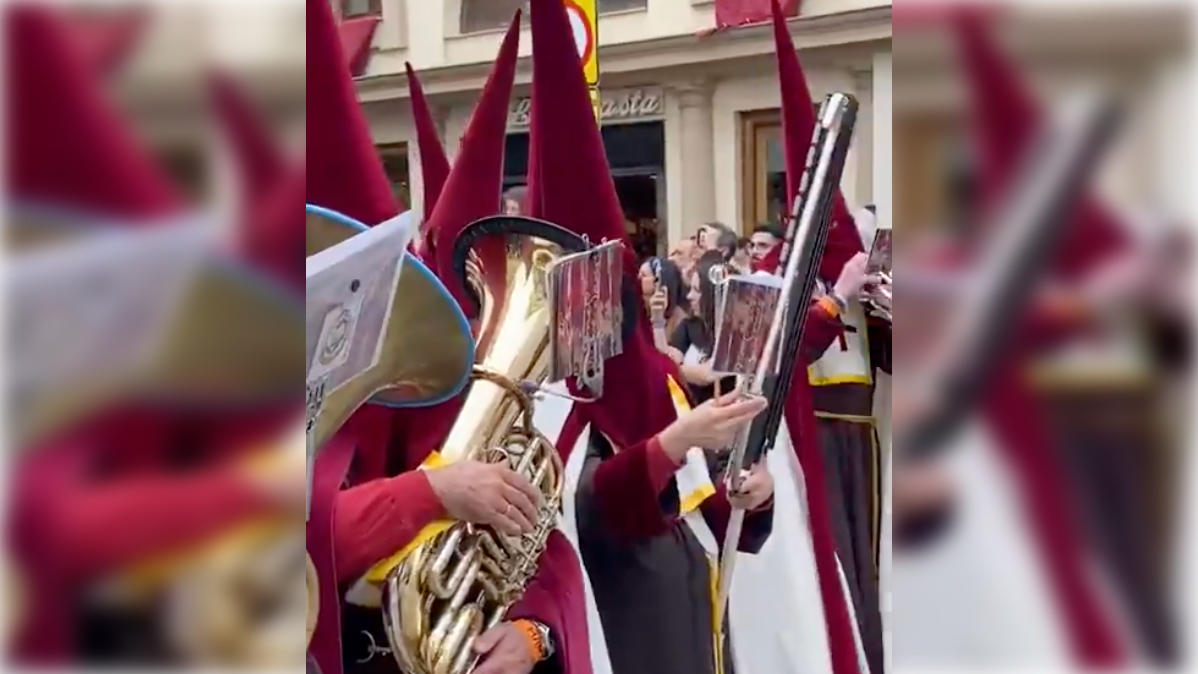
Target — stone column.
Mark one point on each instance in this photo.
(860, 184)
(696, 135)
(882, 115)
(1175, 144)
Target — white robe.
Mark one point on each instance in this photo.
(789, 624)
(977, 597)
(882, 397)
(776, 612)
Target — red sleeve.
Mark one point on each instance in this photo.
(822, 328)
(378, 518)
(107, 529)
(1048, 323)
(627, 490)
(758, 525)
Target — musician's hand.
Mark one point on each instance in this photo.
(853, 278)
(674, 354)
(755, 491)
(712, 425)
(505, 650)
(485, 493)
(920, 486)
(281, 474)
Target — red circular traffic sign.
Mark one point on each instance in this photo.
(580, 29)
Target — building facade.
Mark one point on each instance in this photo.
(690, 118)
(1140, 54)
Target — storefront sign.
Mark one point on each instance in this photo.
(617, 105)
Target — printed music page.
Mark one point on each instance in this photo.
(350, 291)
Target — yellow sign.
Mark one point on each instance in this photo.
(595, 104)
(585, 28)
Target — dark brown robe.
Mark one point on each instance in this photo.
(654, 587)
(1114, 455)
(853, 475)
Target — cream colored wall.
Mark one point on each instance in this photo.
(426, 33)
(882, 161)
(1172, 114)
(755, 90)
(252, 36)
(182, 39)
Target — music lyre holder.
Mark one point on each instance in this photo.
(1027, 229)
(801, 253)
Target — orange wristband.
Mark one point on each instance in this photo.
(829, 305)
(533, 636)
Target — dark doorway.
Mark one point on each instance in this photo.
(636, 154)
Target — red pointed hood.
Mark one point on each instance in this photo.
(356, 37)
(798, 124)
(107, 40)
(68, 146)
(259, 160)
(471, 192)
(575, 190)
(434, 162)
(344, 171)
(272, 234)
(473, 188)
(1008, 121)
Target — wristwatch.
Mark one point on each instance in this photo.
(548, 647)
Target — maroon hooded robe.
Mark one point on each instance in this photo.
(93, 500)
(649, 571)
(387, 502)
(844, 424)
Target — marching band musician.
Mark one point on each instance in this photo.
(1099, 384)
(644, 511)
(637, 490)
(833, 633)
(389, 502)
(100, 501)
(1016, 564)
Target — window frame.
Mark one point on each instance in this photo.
(373, 8)
(464, 7)
(754, 186)
(644, 6)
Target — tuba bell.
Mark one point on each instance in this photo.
(422, 318)
(460, 583)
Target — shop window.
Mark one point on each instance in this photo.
(354, 8)
(395, 164)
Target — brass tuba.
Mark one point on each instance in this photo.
(462, 582)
